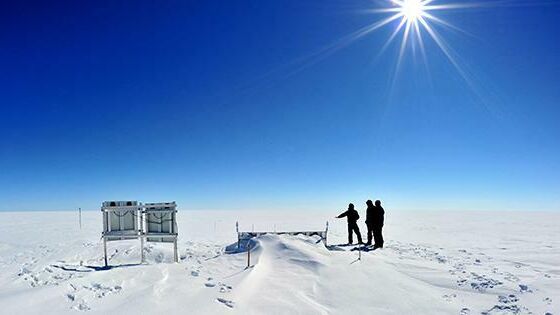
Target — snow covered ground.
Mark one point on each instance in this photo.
(433, 263)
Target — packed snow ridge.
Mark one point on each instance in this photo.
(461, 263)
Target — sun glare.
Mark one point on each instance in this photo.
(413, 23)
(411, 9)
(416, 21)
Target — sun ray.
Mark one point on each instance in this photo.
(391, 38)
(382, 10)
(423, 51)
(431, 17)
(445, 49)
(312, 58)
(454, 6)
(342, 42)
(413, 39)
(418, 33)
(420, 42)
(426, 2)
(403, 46)
(453, 60)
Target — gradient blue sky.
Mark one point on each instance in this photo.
(210, 103)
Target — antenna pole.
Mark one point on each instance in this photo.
(249, 254)
(326, 232)
(237, 230)
(359, 253)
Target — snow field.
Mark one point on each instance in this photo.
(433, 263)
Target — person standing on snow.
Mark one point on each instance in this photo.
(352, 216)
(374, 220)
(370, 213)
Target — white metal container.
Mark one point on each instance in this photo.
(153, 222)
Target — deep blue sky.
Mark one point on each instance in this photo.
(211, 104)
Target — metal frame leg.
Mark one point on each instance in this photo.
(105, 250)
(141, 249)
(176, 256)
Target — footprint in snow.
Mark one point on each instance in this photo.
(508, 305)
(71, 297)
(227, 303)
(524, 288)
(210, 283)
(82, 306)
(159, 258)
(224, 288)
(503, 309)
(465, 311)
(482, 282)
(508, 299)
(101, 291)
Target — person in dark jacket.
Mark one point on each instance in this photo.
(352, 216)
(374, 220)
(370, 213)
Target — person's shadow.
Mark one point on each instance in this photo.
(85, 268)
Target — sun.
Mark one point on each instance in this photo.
(411, 9)
(415, 26)
(416, 20)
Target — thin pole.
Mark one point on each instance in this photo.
(249, 254)
(359, 253)
(326, 232)
(237, 230)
